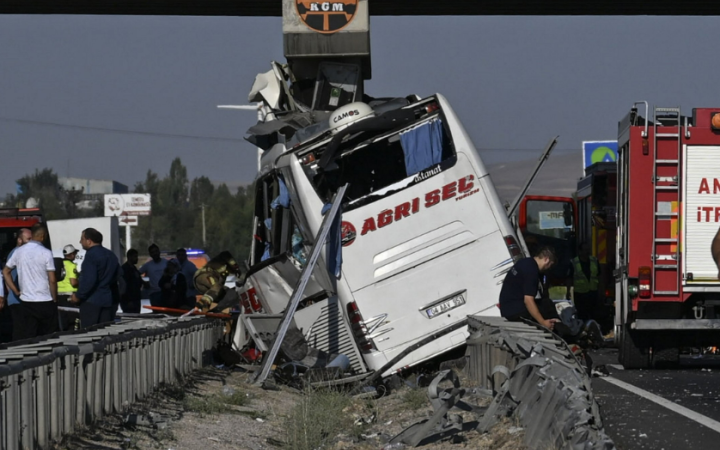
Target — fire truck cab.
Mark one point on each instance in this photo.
(668, 211)
(545, 220)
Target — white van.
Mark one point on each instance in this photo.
(425, 240)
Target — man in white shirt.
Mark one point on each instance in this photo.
(38, 313)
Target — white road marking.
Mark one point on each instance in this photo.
(672, 406)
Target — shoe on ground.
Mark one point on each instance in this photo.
(594, 333)
(600, 371)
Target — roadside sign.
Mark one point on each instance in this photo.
(599, 151)
(127, 205)
(129, 221)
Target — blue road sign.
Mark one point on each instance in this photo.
(599, 151)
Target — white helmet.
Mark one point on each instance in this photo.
(344, 116)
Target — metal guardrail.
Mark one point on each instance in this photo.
(539, 379)
(50, 387)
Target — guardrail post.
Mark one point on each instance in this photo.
(27, 427)
(12, 410)
(42, 418)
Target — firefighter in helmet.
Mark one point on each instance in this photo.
(209, 281)
(583, 276)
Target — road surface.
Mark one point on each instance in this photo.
(660, 409)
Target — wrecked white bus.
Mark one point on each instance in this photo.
(425, 240)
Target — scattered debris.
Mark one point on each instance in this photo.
(149, 420)
(440, 425)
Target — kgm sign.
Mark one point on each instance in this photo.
(326, 17)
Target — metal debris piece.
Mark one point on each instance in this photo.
(439, 425)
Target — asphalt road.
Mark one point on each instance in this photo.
(635, 421)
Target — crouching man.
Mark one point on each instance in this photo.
(209, 281)
(518, 303)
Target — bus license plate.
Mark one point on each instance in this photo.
(447, 305)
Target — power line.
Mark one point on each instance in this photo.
(120, 130)
(528, 150)
(216, 138)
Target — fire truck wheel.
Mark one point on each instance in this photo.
(666, 354)
(634, 353)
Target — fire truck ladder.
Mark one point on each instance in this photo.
(665, 262)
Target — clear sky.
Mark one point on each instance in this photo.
(67, 81)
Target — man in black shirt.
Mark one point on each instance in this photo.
(517, 296)
(130, 301)
(517, 301)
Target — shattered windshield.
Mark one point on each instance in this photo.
(375, 166)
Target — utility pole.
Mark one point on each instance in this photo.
(128, 234)
(203, 221)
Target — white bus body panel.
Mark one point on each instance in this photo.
(454, 246)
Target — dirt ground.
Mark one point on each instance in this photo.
(220, 409)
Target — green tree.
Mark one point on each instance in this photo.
(176, 216)
(143, 234)
(42, 186)
(201, 191)
(176, 219)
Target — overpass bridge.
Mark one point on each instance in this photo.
(273, 8)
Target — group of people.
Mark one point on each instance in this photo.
(45, 298)
(32, 293)
(170, 281)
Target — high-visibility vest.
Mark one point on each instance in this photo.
(64, 286)
(581, 284)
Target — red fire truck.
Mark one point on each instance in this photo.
(668, 211)
(651, 217)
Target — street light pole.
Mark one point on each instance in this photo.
(203, 223)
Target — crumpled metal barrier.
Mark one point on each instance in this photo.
(439, 425)
(538, 378)
(51, 386)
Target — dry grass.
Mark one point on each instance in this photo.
(218, 403)
(415, 398)
(317, 417)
